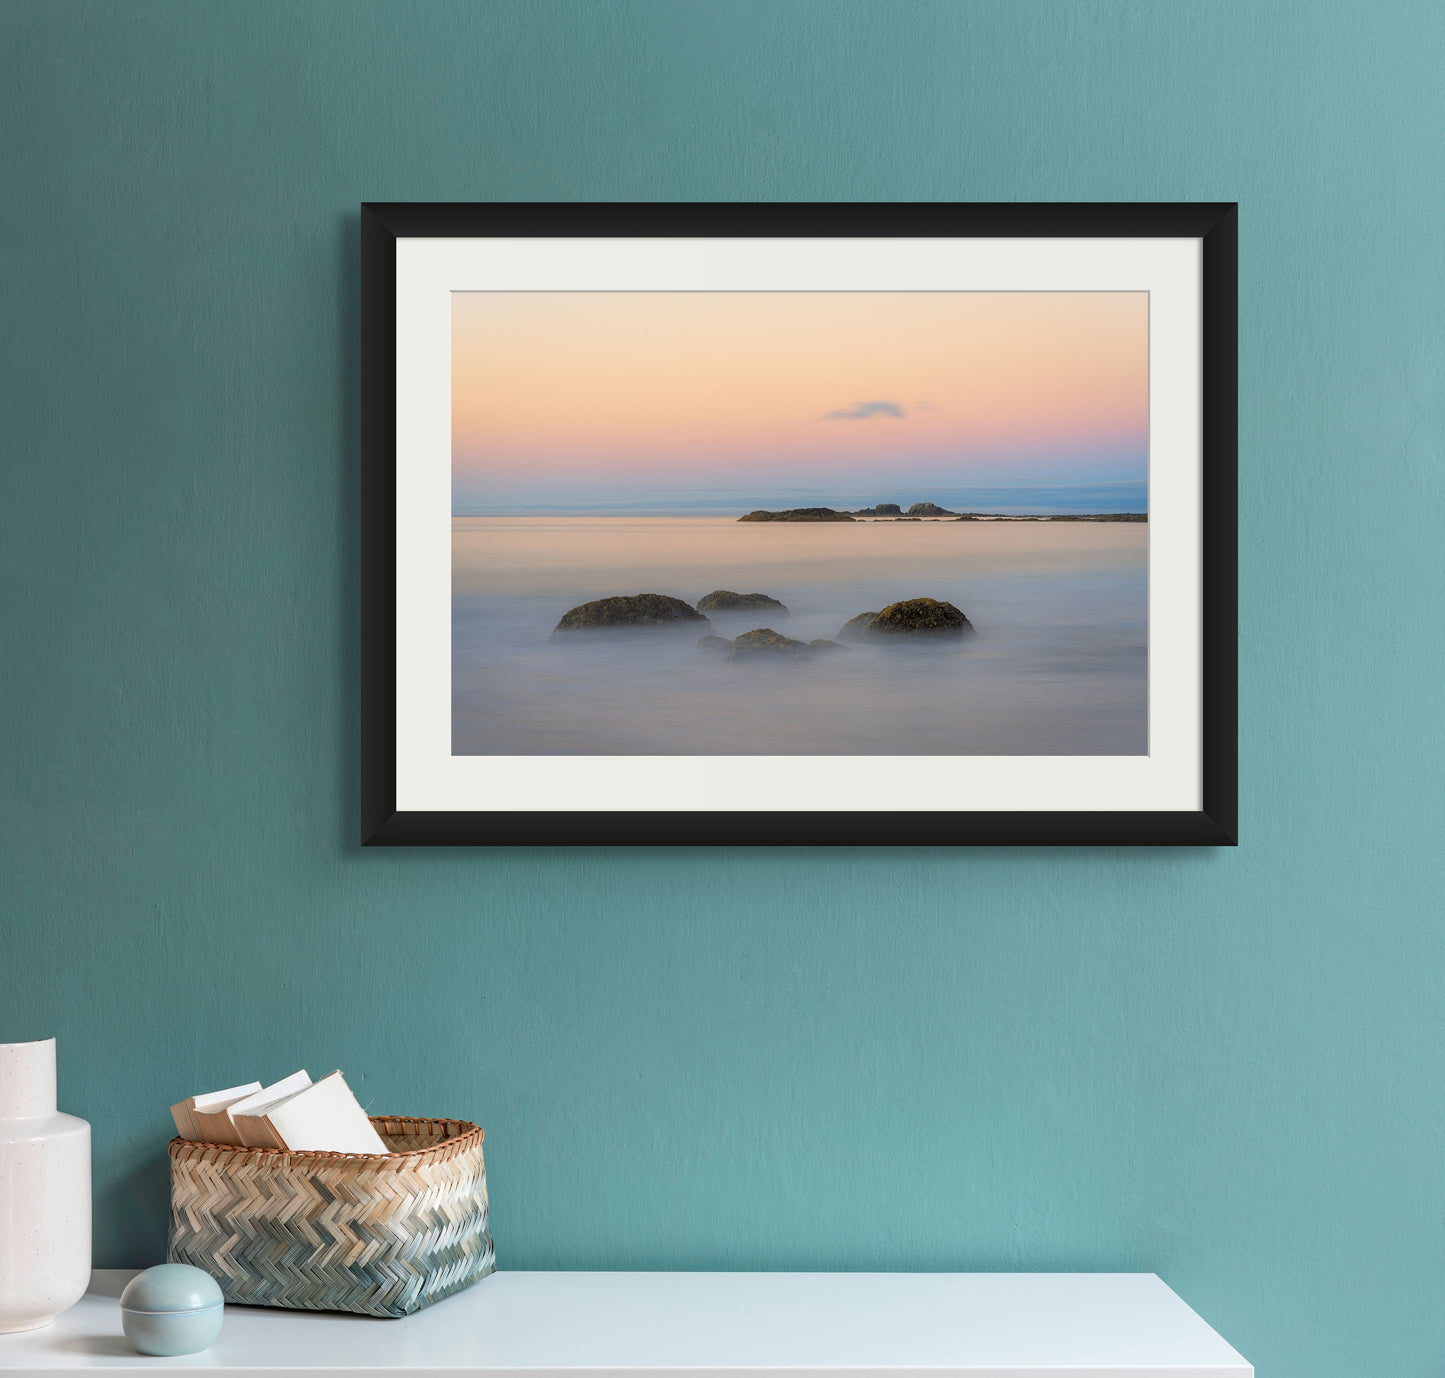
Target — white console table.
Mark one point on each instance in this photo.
(703, 1325)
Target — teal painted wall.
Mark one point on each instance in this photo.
(1227, 1066)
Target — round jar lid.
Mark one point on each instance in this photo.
(171, 1287)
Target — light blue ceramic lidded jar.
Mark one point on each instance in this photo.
(171, 1309)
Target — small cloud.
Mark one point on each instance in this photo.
(866, 409)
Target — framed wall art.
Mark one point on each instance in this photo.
(799, 524)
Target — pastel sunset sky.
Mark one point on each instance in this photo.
(590, 401)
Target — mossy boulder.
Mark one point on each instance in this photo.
(718, 645)
(923, 617)
(798, 514)
(636, 610)
(856, 628)
(766, 644)
(724, 600)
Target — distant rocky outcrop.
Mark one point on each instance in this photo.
(892, 509)
(921, 510)
(824, 645)
(765, 643)
(638, 610)
(723, 600)
(798, 514)
(1039, 517)
(718, 645)
(919, 618)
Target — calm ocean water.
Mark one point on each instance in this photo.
(1059, 666)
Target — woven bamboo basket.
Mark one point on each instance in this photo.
(377, 1234)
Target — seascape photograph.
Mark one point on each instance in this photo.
(800, 523)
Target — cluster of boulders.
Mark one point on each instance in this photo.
(916, 620)
(662, 610)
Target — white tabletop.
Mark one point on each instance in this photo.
(763, 1325)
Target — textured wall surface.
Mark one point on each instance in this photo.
(1228, 1067)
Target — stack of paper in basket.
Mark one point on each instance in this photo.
(294, 1113)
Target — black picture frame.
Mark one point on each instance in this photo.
(1214, 824)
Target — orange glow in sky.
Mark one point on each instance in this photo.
(741, 389)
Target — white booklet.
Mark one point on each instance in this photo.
(247, 1115)
(184, 1112)
(324, 1117)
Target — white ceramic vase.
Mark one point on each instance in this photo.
(44, 1192)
